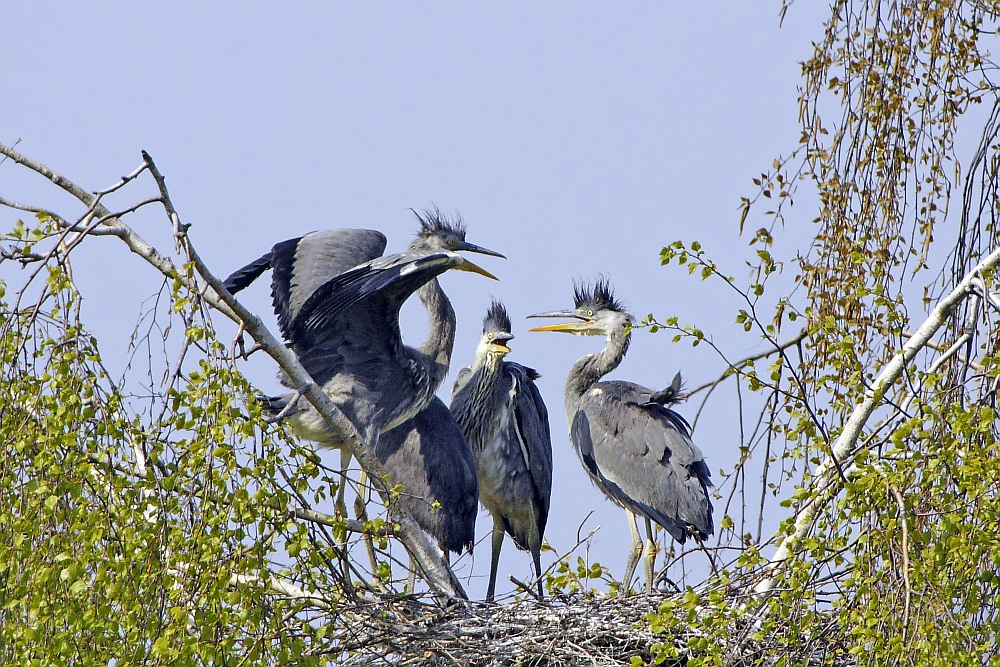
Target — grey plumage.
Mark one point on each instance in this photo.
(338, 309)
(338, 305)
(505, 421)
(428, 457)
(634, 448)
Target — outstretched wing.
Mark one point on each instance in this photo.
(643, 457)
(382, 285)
(302, 266)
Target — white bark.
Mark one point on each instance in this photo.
(418, 544)
(827, 480)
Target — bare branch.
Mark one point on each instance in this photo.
(425, 554)
(352, 525)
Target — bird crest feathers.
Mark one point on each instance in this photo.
(596, 296)
(434, 223)
(496, 318)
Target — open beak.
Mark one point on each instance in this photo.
(499, 342)
(579, 325)
(466, 265)
(472, 247)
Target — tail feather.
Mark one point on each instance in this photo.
(240, 278)
(273, 405)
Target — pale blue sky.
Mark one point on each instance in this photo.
(575, 137)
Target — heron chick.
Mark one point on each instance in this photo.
(635, 449)
(504, 419)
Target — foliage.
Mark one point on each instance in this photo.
(893, 545)
(145, 531)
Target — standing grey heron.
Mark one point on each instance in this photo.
(506, 423)
(635, 449)
(337, 302)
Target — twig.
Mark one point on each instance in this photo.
(825, 485)
(527, 589)
(426, 555)
(742, 363)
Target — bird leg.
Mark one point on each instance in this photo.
(341, 502)
(634, 552)
(494, 558)
(361, 512)
(651, 550)
(536, 558)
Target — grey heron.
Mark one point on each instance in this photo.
(337, 302)
(634, 448)
(506, 424)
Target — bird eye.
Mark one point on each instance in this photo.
(489, 336)
(590, 313)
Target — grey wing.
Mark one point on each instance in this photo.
(461, 380)
(238, 280)
(531, 422)
(429, 457)
(381, 286)
(644, 458)
(302, 266)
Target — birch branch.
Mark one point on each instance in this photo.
(827, 479)
(425, 555)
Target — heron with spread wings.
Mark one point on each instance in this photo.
(337, 302)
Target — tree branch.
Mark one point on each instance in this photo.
(424, 553)
(827, 481)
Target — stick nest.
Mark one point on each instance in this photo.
(566, 630)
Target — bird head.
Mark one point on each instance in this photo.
(596, 312)
(438, 233)
(496, 329)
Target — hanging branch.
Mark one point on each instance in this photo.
(424, 554)
(829, 479)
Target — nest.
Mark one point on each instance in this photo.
(567, 630)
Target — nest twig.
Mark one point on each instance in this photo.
(566, 630)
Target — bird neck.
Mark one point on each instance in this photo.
(477, 403)
(441, 335)
(589, 369)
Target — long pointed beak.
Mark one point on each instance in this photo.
(566, 327)
(558, 313)
(472, 247)
(466, 265)
(578, 325)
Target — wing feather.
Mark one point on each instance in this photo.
(644, 458)
(389, 281)
(531, 423)
(238, 280)
(302, 266)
